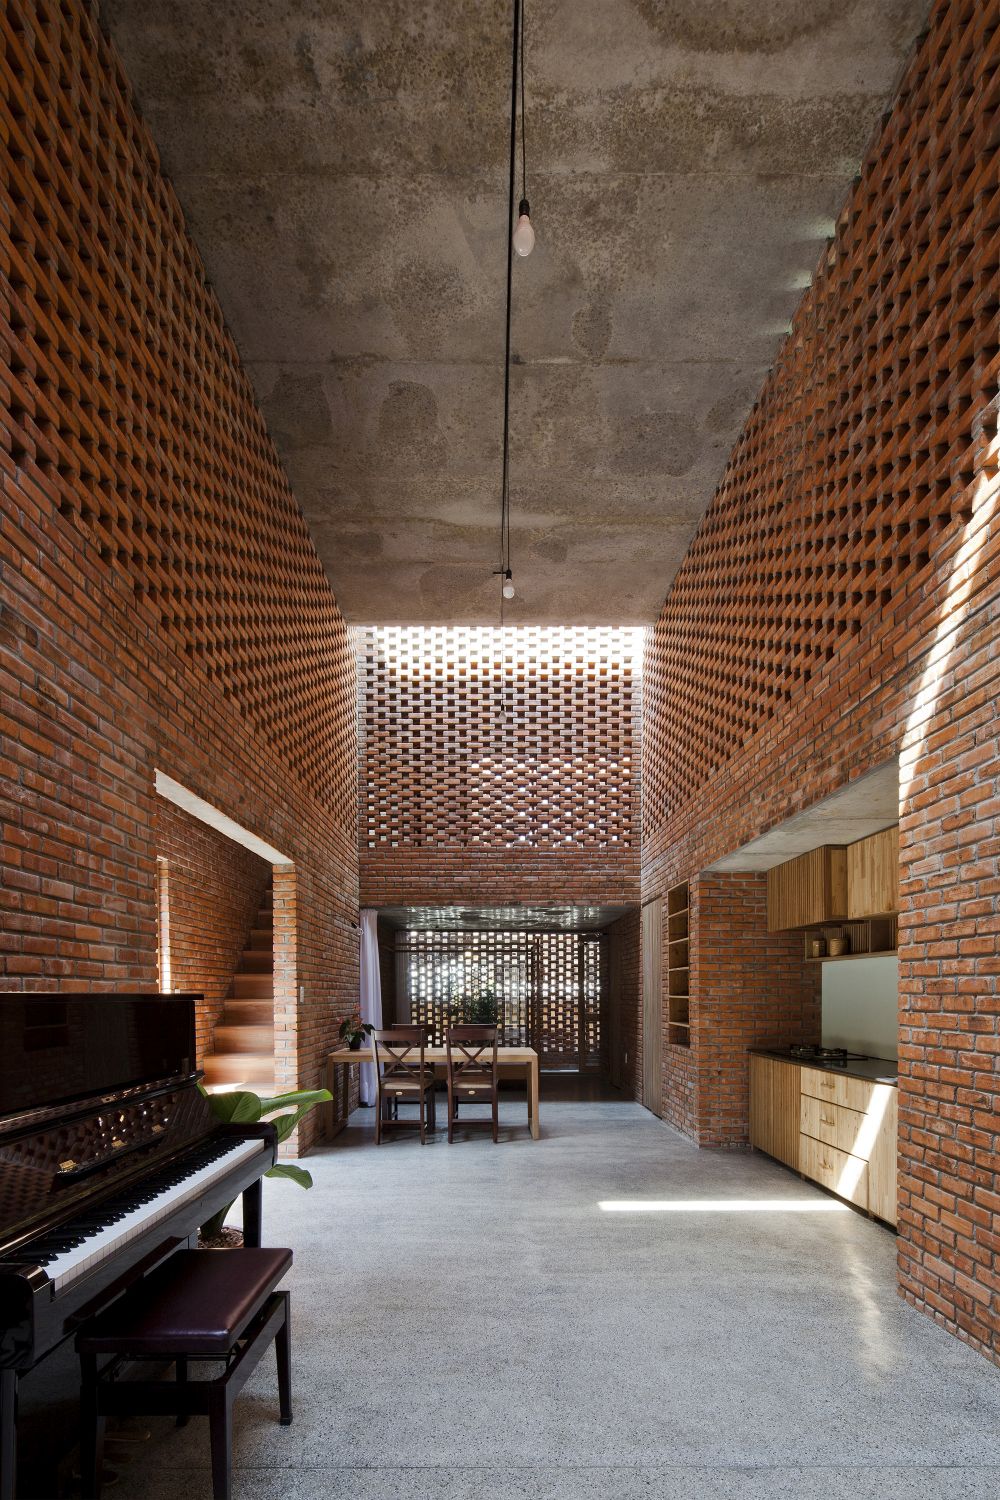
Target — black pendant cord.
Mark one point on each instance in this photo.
(524, 116)
(505, 484)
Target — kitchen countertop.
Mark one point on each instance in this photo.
(874, 1069)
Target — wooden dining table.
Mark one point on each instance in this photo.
(511, 1061)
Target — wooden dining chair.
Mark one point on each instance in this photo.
(402, 1073)
(472, 1073)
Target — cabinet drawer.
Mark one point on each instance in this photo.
(833, 1125)
(836, 1088)
(843, 1174)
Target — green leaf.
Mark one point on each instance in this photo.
(285, 1124)
(214, 1225)
(305, 1097)
(289, 1169)
(240, 1107)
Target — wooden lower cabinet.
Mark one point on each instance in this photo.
(836, 1130)
(774, 1108)
(882, 1199)
(843, 1174)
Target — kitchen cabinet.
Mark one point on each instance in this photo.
(884, 1113)
(774, 1108)
(809, 890)
(837, 1088)
(837, 1130)
(830, 1123)
(842, 1173)
(873, 875)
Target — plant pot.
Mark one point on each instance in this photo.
(226, 1239)
(354, 1045)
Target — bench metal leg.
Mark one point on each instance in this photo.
(182, 1376)
(91, 1430)
(283, 1350)
(8, 1434)
(220, 1423)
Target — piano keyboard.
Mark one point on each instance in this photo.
(76, 1248)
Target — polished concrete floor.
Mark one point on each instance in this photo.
(474, 1321)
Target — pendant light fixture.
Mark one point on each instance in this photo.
(520, 239)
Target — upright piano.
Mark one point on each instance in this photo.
(110, 1159)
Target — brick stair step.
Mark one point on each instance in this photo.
(262, 937)
(253, 987)
(256, 1039)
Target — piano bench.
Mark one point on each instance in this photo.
(199, 1304)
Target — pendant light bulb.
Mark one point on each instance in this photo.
(524, 235)
(508, 585)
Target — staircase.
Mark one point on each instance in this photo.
(244, 1036)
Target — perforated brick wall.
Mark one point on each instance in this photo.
(839, 607)
(548, 987)
(162, 605)
(215, 889)
(498, 765)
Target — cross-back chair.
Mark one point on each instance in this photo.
(402, 1073)
(472, 1073)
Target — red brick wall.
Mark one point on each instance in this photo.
(752, 988)
(839, 607)
(162, 604)
(215, 891)
(498, 766)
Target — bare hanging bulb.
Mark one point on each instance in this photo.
(508, 585)
(524, 235)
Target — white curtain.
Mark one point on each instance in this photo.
(371, 994)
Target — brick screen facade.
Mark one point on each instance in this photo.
(162, 605)
(214, 891)
(498, 766)
(839, 607)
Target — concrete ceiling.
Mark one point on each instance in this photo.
(343, 170)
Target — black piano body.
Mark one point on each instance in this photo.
(110, 1159)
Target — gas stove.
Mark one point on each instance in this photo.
(811, 1052)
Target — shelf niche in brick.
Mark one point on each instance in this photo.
(678, 967)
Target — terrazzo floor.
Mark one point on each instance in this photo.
(474, 1321)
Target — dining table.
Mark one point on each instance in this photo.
(511, 1062)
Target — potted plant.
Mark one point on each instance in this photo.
(479, 1009)
(355, 1032)
(241, 1107)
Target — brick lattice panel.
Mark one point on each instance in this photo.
(549, 987)
(858, 459)
(161, 605)
(128, 405)
(520, 738)
(840, 607)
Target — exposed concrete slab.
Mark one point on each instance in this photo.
(343, 172)
(863, 807)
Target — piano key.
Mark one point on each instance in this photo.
(89, 1246)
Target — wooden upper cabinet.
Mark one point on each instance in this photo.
(809, 890)
(873, 875)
